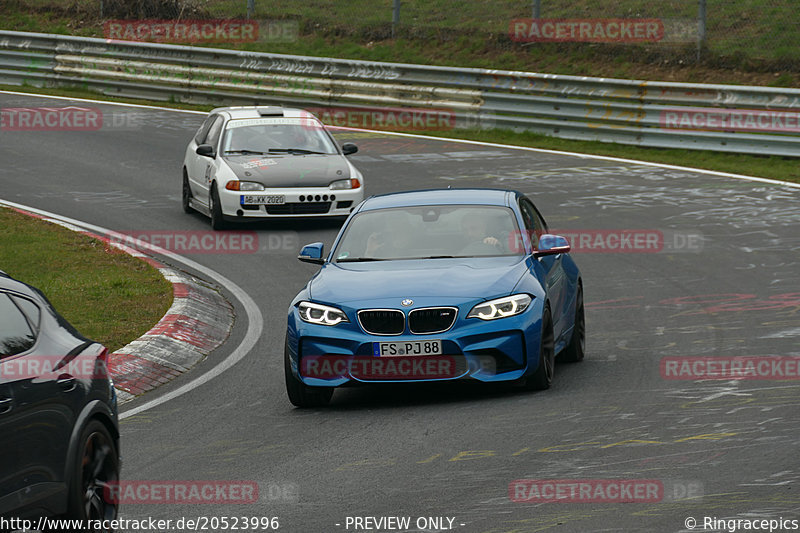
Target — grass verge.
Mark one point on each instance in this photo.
(108, 295)
(773, 167)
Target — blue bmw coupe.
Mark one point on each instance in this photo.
(435, 285)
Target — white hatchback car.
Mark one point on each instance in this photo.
(256, 162)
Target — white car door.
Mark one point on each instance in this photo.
(201, 170)
(211, 164)
(191, 159)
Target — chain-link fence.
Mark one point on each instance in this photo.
(620, 38)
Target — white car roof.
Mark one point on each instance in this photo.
(262, 111)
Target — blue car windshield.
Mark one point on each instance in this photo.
(429, 232)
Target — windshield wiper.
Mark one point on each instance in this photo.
(298, 151)
(244, 151)
(358, 259)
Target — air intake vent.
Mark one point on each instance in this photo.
(382, 321)
(305, 208)
(431, 319)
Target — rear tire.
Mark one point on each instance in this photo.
(96, 468)
(186, 194)
(217, 220)
(300, 394)
(543, 377)
(577, 345)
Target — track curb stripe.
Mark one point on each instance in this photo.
(198, 321)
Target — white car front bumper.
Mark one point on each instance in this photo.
(296, 202)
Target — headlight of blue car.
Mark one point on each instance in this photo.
(323, 315)
(501, 307)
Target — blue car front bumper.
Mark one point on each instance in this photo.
(504, 349)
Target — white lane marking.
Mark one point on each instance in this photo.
(143, 106)
(255, 322)
(465, 141)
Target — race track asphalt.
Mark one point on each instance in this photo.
(723, 282)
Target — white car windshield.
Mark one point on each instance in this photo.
(276, 136)
(429, 232)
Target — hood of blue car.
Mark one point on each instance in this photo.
(468, 278)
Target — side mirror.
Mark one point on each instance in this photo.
(312, 253)
(552, 245)
(206, 150)
(349, 148)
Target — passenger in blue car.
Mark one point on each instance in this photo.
(393, 240)
(388, 245)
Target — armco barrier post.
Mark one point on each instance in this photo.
(701, 28)
(395, 17)
(537, 8)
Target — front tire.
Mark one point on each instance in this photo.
(186, 194)
(96, 469)
(543, 377)
(217, 220)
(577, 345)
(300, 394)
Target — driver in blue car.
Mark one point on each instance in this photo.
(479, 240)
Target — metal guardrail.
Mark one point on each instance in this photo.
(572, 107)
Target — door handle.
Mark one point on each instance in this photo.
(66, 382)
(6, 404)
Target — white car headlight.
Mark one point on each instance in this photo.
(352, 183)
(501, 307)
(323, 315)
(235, 185)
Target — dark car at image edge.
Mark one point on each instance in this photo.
(58, 413)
